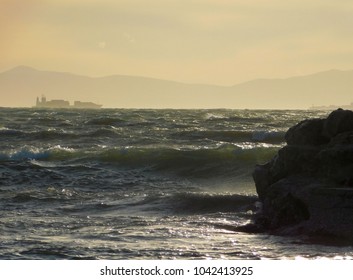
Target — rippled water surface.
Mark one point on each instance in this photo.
(139, 184)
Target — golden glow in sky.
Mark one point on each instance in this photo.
(200, 41)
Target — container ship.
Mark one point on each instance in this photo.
(332, 107)
(60, 103)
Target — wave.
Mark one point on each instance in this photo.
(263, 136)
(51, 135)
(197, 203)
(194, 159)
(103, 132)
(194, 162)
(209, 203)
(28, 153)
(243, 119)
(178, 203)
(56, 135)
(24, 154)
(106, 121)
(38, 135)
(258, 136)
(274, 137)
(4, 132)
(46, 195)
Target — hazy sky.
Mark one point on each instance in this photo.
(204, 41)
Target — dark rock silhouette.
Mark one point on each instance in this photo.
(308, 132)
(307, 188)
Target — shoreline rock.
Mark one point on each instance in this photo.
(307, 188)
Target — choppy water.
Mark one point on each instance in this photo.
(139, 184)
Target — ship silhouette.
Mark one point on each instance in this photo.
(60, 103)
(332, 107)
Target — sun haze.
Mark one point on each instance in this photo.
(215, 42)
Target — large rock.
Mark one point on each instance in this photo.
(337, 122)
(308, 186)
(307, 132)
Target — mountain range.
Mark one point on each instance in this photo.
(20, 86)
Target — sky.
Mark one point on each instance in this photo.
(221, 42)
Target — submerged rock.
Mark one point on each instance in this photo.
(307, 188)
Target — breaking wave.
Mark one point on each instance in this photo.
(201, 162)
(271, 137)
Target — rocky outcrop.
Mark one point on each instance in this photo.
(308, 186)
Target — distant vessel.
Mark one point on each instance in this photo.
(332, 107)
(60, 103)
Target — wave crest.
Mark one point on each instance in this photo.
(202, 162)
(263, 136)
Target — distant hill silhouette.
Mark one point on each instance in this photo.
(20, 86)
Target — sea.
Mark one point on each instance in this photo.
(141, 184)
